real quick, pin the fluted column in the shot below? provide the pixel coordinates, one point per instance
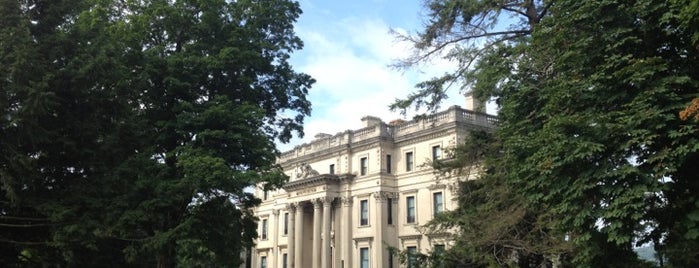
(274, 236)
(346, 231)
(316, 232)
(325, 251)
(378, 229)
(298, 256)
(290, 238)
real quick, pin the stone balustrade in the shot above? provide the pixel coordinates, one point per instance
(451, 115)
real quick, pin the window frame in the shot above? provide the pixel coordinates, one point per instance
(263, 232)
(408, 218)
(409, 161)
(363, 166)
(436, 210)
(389, 211)
(436, 152)
(263, 261)
(412, 256)
(364, 258)
(364, 212)
(388, 164)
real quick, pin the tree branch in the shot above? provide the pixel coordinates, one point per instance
(3, 240)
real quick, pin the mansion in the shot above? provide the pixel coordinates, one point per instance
(354, 194)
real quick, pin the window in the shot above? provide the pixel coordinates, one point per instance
(363, 166)
(264, 229)
(390, 258)
(438, 249)
(437, 203)
(388, 163)
(284, 260)
(332, 169)
(436, 152)
(263, 262)
(286, 223)
(265, 195)
(409, 161)
(389, 210)
(410, 205)
(412, 257)
(364, 257)
(364, 212)
(437, 255)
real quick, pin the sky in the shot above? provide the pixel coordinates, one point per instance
(348, 50)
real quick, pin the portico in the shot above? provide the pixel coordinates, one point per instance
(310, 211)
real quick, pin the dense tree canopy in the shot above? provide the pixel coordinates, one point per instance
(130, 129)
(597, 148)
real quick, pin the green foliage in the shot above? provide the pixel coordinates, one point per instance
(130, 129)
(591, 144)
(467, 32)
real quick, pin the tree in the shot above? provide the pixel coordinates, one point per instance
(590, 130)
(131, 128)
(469, 33)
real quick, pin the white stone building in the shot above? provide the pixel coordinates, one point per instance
(354, 194)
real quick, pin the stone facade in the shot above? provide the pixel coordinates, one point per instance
(352, 195)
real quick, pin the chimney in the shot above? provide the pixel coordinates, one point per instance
(473, 104)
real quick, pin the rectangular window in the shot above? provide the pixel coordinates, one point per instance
(263, 262)
(265, 195)
(389, 210)
(388, 163)
(364, 212)
(412, 257)
(286, 223)
(364, 257)
(437, 203)
(363, 166)
(409, 161)
(332, 169)
(390, 258)
(264, 229)
(438, 249)
(410, 205)
(436, 152)
(437, 255)
(284, 260)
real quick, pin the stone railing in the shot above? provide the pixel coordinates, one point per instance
(451, 115)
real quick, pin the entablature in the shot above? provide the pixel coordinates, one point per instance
(322, 179)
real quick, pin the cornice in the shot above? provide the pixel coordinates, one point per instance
(323, 179)
(407, 132)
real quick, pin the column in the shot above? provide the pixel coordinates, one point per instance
(325, 252)
(346, 233)
(290, 238)
(378, 229)
(316, 232)
(275, 238)
(298, 257)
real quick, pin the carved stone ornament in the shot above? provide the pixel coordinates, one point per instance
(291, 207)
(347, 201)
(317, 202)
(383, 196)
(306, 171)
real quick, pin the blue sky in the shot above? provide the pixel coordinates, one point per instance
(347, 50)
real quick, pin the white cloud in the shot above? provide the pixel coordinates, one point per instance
(349, 58)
